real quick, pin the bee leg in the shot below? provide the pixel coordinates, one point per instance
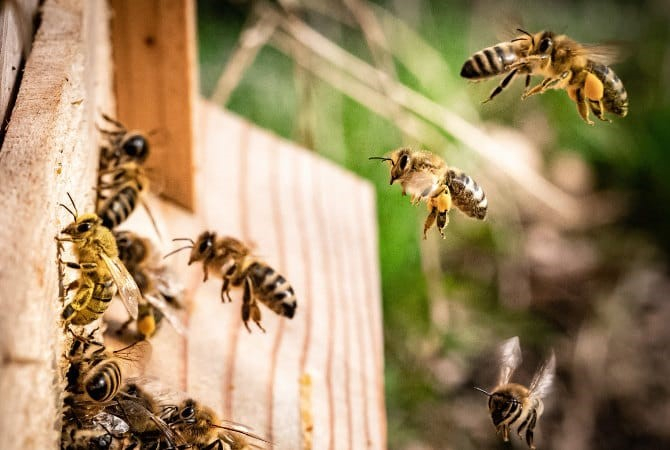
(597, 108)
(442, 221)
(503, 84)
(430, 220)
(531, 428)
(204, 267)
(225, 289)
(582, 106)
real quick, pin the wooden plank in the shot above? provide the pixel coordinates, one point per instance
(16, 34)
(49, 150)
(316, 224)
(155, 81)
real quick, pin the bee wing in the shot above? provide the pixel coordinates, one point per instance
(510, 358)
(168, 313)
(544, 378)
(111, 423)
(137, 351)
(128, 290)
(421, 183)
(601, 53)
(239, 428)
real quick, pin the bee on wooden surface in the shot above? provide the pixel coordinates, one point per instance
(580, 69)
(145, 417)
(122, 146)
(101, 272)
(95, 373)
(201, 428)
(232, 260)
(105, 432)
(160, 291)
(426, 177)
(512, 404)
(122, 178)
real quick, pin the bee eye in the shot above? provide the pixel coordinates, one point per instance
(404, 159)
(187, 412)
(204, 245)
(545, 44)
(136, 147)
(84, 227)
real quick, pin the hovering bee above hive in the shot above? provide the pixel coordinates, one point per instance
(580, 69)
(426, 177)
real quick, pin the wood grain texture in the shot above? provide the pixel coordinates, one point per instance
(50, 149)
(155, 79)
(314, 223)
(16, 34)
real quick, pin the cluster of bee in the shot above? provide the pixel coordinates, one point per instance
(103, 408)
(583, 72)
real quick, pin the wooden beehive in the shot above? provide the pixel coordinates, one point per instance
(311, 220)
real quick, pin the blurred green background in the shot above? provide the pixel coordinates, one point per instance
(592, 284)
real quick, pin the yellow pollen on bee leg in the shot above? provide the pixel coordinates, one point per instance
(444, 202)
(593, 87)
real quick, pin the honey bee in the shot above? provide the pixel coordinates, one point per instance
(579, 69)
(106, 432)
(159, 290)
(122, 177)
(512, 404)
(201, 428)
(95, 374)
(102, 273)
(232, 260)
(426, 177)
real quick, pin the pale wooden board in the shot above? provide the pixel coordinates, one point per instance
(155, 79)
(316, 224)
(50, 149)
(16, 33)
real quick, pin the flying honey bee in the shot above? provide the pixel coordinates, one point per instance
(159, 290)
(201, 428)
(232, 260)
(426, 177)
(102, 273)
(122, 178)
(581, 70)
(512, 404)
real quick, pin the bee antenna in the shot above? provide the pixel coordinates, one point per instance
(184, 239)
(532, 39)
(75, 213)
(177, 250)
(383, 158)
(482, 390)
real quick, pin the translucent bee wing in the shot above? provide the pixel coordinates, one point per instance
(601, 53)
(234, 427)
(128, 290)
(111, 423)
(544, 377)
(421, 184)
(510, 358)
(168, 313)
(137, 352)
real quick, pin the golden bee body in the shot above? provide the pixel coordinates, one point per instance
(232, 260)
(515, 405)
(102, 274)
(581, 70)
(426, 177)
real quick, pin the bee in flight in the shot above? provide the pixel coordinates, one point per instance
(102, 273)
(160, 292)
(200, 427)
(512, 404)
(232, 260)
(581, 70)
(122, 178)
(426, 177)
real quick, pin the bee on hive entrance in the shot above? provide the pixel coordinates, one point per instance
(101, 272)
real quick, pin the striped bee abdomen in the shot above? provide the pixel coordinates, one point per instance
(272, 289)
(103, 381)
(615, 97)
(466, 194)
(116, 209)
(490, 61)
